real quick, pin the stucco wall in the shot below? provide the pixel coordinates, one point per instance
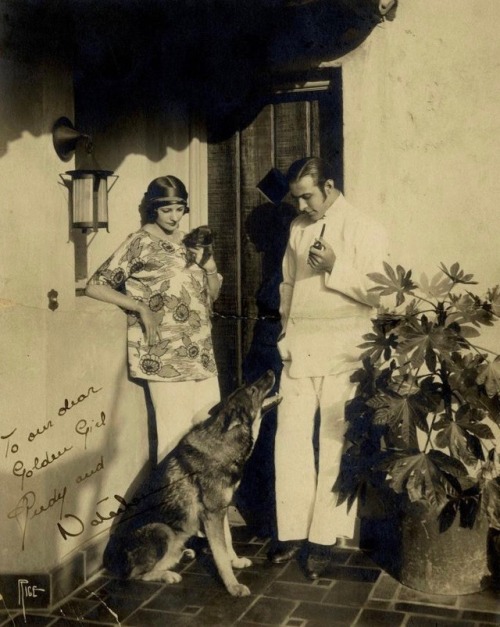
(74, 429)
(421, 101)
(422, 133)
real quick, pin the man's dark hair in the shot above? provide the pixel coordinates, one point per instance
(319, 170)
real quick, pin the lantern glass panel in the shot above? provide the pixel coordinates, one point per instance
(83, 201)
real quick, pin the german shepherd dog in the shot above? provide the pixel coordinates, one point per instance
(193, 484)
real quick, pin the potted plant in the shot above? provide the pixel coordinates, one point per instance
(421, 427)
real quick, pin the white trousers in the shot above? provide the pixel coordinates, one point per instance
(305, 505)
(178, 406)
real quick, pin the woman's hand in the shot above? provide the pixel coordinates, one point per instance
(151, 325)
(203, 256)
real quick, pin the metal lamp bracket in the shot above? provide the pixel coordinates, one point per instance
(65, 138)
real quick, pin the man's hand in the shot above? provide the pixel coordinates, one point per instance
(321, 259)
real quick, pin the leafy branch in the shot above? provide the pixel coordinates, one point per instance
(425, 391)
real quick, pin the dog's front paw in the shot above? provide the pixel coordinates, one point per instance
(170, 577)
(238, 590)
(241, 562)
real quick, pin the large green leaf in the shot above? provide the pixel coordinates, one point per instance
(401, 413)
(491, 502)
(462, 444)
(467, 502)
(457, 275)
(438, 287)
(493, 295)
(489, 376)
(378, 345)
(418, 339)
(424, 476)
(468, 308)
(393, 282)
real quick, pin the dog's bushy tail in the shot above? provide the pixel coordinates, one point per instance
(116, 558)
(135, 553)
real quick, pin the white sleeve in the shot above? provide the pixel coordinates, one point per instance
(286, 286)
(365, 251)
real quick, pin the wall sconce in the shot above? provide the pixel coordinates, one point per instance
(89, 184)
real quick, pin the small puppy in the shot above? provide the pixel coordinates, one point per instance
(200, 237)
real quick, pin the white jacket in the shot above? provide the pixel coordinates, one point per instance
(324, 315)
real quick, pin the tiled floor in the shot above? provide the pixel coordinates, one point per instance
(353, 593)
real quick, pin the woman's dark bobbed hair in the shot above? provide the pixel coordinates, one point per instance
(165, 190)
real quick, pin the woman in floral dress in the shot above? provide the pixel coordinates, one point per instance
(167, 291)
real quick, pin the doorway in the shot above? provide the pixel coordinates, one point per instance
(296, 122)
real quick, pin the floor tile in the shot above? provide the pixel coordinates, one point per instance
(348, 593)
(177, 598)
(342, 556)
(76, 608)
(352, 573)
(113, 607)
(147, 618)
(224, 610)
(292, 572)
(353, 593)
(358, 558)
(66, 622)
(409, 594)
(488, 601)
(329, 614)
(377, 604)
(295, 591)
(268, 611)
(376, 618)
(31, 619)
(427, 621)
(130, 588)
(485, 617)
(431, 610)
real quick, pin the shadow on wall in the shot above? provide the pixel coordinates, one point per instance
(216, 60)
(268, 227)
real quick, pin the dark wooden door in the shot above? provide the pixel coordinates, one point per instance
(294, 124)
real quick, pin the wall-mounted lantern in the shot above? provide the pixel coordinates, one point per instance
(89, 184)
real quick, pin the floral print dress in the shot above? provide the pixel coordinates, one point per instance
(158, 273)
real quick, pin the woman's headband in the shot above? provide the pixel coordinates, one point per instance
(169, 200)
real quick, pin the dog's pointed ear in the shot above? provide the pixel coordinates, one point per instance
(215, 409)
(232, 419)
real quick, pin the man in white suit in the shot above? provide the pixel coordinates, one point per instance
(325, 309)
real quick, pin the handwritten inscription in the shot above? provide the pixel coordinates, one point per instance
(67, 405)
(26, 590)
(87, 475)
(25, 509)
(19, 469)
(74, 525)
(40, 430)
(30, 506)
(12, 447)
(84, 427)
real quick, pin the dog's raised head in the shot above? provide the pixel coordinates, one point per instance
(249, 403)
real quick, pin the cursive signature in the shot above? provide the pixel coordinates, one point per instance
(26, 509)
(75, 525)
(25, 590)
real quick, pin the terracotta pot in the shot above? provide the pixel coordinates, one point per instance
(453, 562)
(409, 546)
